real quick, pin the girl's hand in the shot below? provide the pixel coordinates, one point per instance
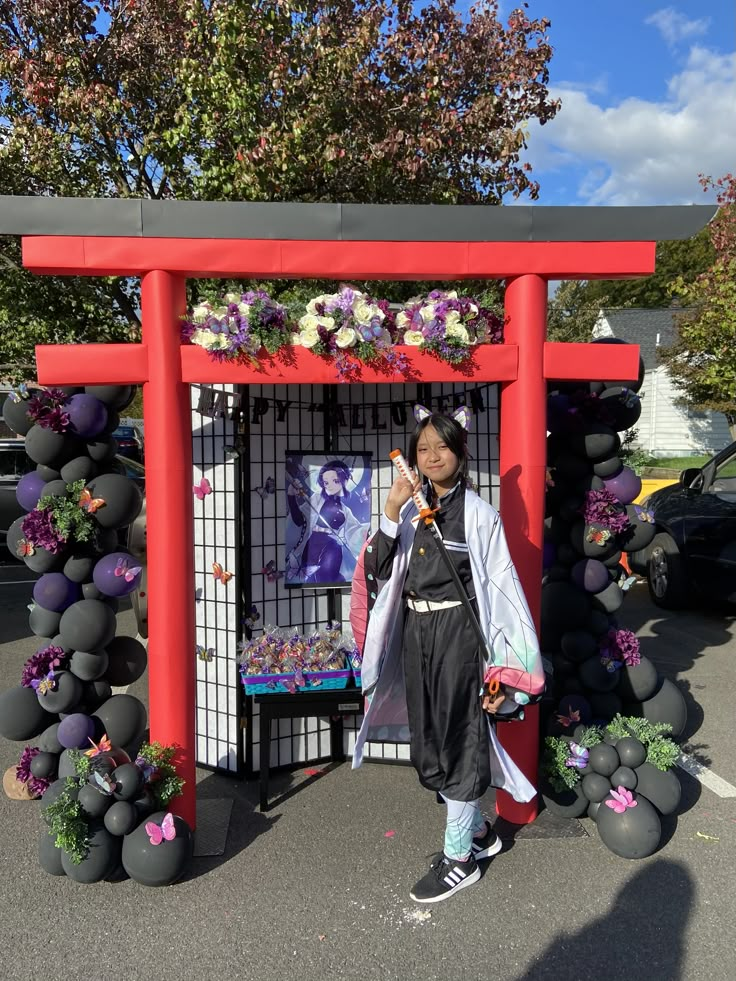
(400, 492)
(492, 703)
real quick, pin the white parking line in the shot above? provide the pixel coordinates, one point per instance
(18, 582)
(708, 779)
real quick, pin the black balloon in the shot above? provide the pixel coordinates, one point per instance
(639, 533)
(87, 625)
(47, 447)
(161, 864)
(21, 716)
(55, 488)
(48, 741)
(43, 623)
(123, 500)
(94, 803)
(637, 681)
(594, 442)
(124, 719)
(89, 665)
(596, 787)
(127, 661)
(661, 787)
(102, 449)
(624, 777)
(102, 857)
(47, 473)
(578, 645)
(590, 542)
(129, 780)
(121, 818)
(632, 752)
(622, 404)
(65, 695)
(594, 675)
(49, 856)
(665, 705)
(43, 561)
(610, 599)
(78, 567)
(608, 468)
(635, 833)
(115, 397)
(566, 803)
(605, 704)
(44, 765)
(16, 415)
(79, 468)
(604, 759)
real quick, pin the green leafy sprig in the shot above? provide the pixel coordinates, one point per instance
(68, 824)
(167, 784)
(556, 751)
(71, 521)
(661, 751)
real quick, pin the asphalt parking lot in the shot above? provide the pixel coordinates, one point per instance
(318, 887)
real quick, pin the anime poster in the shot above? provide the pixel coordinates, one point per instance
(328, 513)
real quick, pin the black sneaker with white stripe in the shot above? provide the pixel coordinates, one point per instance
(487, 846)
(446, 876)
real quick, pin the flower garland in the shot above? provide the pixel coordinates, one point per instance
(349, 326)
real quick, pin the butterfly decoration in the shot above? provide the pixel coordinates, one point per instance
(158, 832)
(253, 616)
(627, 583)
(567, 720)
(19, 394)
(25, 548)
(198, 594)
(598, 536)
(233, 451)
(611, 664)
(270, 571)
(289, 685)
(628, 398)
(269, 487)
(644, 515)
(124, 569)
(548, 478)
(205, 653)
(622, 798)
(202, 489)
(220, 574)
(88, 503)
(147, 769)
(103, 746)
(104, 783)
(44, 685)
(578, 758)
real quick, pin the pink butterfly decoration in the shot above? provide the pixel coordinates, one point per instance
(129, 572)
(157, 832)
(567, 720)
(622, 798)
(202, 489)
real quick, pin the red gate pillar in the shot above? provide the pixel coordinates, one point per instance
(169, 530)
(522, 439)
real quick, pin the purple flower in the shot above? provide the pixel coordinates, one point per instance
(38, 528)
(603, 508)
(45, 409)
(37, 786)
(620, 646)
(40, 664)
(45, 684)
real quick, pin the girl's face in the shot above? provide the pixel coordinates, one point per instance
(331, 483)
(436, 460)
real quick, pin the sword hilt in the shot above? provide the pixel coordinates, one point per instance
(399, 461)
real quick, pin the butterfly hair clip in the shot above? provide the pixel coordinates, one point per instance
(598, 536)
(124, 570)
(205, 653)
(88, 503)
(270, 571)
(269, 487)
(166, 831)
(220, 574)
(202, 489)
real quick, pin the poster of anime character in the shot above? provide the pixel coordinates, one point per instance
(328, 512)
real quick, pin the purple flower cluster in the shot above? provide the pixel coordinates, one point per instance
(23, 774)
(46, 408)
(41, 663)
(603, 508)
(39, 529)
(620, 647)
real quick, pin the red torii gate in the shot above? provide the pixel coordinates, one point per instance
(165, 368)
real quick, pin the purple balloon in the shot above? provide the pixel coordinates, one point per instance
(29, 490)
(75, 731)
(626, 485)
(590, 575)
(53, 591)
(117, 574)
(87, 415)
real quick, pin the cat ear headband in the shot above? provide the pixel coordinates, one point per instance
(461, 415)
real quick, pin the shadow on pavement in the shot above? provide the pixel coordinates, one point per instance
(630, 941)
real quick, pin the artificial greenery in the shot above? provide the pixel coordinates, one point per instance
(81, 762)
(165, 785)
(71, 521)
(661, 751)
(68, 824)
(556, 752)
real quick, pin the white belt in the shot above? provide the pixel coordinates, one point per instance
(428, 606)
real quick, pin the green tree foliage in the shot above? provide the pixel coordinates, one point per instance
(703, 359)
(572, 312)
(352, 100)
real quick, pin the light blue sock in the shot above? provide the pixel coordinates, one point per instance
(464, 819)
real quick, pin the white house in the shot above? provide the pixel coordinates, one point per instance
(665, 428)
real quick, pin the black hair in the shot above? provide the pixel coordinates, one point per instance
(451, 432)
(342, 471)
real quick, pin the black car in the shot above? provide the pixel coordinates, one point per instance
(130, 442)
(694, 550)
(13, 464)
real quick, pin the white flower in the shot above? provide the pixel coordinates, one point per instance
(318, 300)
(402, 320)
(221, 342)
(458, 332)
(327, 322)
(243, 309)
(415, 338)
(364, 312)
(309, 321)
(473, 311)
(220, 313)
(201, 312)
(452, 319)
(346, 337)
(427, 313)
(201, 338)
(232, 298)
(451, 295)
(308, 337)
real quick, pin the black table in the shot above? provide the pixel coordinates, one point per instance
(332, 702)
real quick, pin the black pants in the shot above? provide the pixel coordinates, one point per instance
(449, 734)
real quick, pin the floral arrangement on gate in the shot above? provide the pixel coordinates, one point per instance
(349, 326)
(58, 519)
(284, 651)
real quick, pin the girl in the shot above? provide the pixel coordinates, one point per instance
(422, 664)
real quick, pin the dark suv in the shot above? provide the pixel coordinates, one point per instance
(694, 550)
(13, 464)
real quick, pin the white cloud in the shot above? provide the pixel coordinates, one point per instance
(641, 152)
(675, 27)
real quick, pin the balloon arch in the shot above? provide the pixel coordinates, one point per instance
(164, 243)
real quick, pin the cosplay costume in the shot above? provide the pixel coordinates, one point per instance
(422, 667)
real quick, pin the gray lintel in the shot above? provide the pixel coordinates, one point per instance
(114, 217)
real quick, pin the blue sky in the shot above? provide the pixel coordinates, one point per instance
(648, 101)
